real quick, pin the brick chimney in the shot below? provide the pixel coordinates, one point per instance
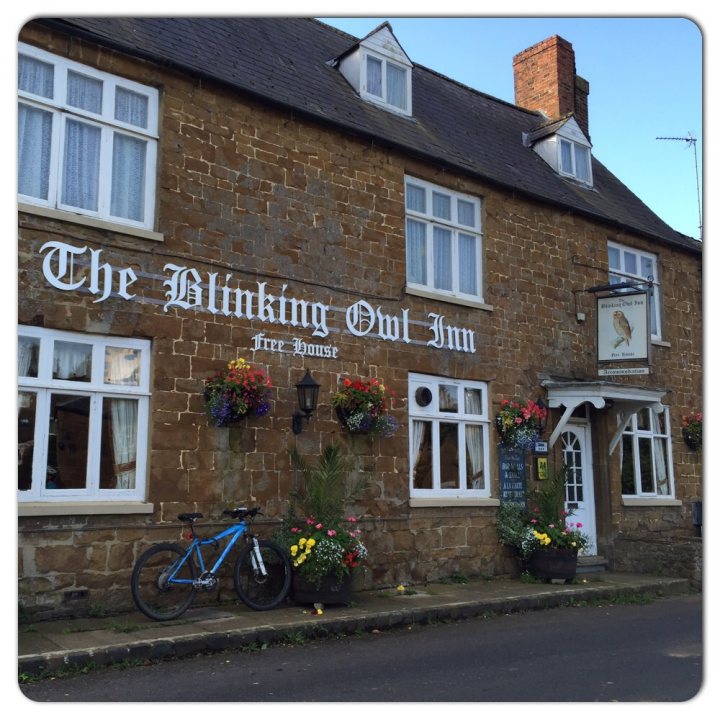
(545, 81)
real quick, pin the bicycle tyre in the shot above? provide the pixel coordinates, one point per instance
(155, 598)
(255, 591)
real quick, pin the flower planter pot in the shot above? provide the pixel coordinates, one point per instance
(691, 440)
(332, 591)
(552, 563)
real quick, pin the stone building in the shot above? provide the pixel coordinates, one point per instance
(193, 191)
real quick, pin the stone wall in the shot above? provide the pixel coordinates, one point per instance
(267, 197)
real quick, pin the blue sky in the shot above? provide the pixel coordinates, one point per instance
(645, 78)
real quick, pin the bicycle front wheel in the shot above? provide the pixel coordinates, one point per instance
(257, 589)
(153, 591)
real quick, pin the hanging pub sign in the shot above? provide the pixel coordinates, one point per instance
(623, 332)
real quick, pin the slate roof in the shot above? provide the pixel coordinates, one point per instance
(285, 61)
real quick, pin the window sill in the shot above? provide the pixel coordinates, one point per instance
(116, 507)
(78, 219)
(454, 502)
(661, 343)
(430, 295)
(651, 502)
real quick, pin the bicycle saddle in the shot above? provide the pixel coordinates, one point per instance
(189, 517)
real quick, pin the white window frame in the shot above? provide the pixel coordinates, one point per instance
(574, 171)
(653, 435)
(383, 98)
(43, 386)
(60, 112)
(453, 226)
(619, 274)
(431, 413)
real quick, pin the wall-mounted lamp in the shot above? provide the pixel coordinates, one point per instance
(307, 391)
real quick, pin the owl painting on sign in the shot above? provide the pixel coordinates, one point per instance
(622, 328)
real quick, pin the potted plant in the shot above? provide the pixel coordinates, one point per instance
(319, 534)
(692, 425)
(540, 533)
(362, 407)
(243, 389)
(519, 425)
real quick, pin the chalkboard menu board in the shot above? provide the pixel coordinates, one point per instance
(512, 475)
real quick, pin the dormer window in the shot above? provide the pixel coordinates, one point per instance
(386, 82)
(563, 146)
(575, 160)
(379, 71)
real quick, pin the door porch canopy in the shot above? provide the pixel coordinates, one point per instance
(625, 399)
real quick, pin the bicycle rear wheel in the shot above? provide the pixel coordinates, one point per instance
(257, 590)
(151, 591)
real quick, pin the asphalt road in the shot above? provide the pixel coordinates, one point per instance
(649, 652)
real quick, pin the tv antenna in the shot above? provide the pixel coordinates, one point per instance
(691, 141)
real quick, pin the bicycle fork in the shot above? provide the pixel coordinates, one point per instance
(256, 558)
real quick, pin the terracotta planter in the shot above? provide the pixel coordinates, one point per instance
(552, 563)
(332, 591)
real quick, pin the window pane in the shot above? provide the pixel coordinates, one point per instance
(35, 76)
(131, 107)
(643, 419)
(582, 163)
(647, 268)
(661, 467)
(422, 455)
(415, 198)
(473, 401)
(467, 249)
(26, 438)
(84, 92)
(396, 86)
(81, 165)
(416, 252)
(475, 460)
(614, 258)
(118, 454)
(374, 77)
(442, 258)
(122, 366)
(448, 398)
(630, 263)
(28, 354)
(566, 157)
(128, 177)
(466, 213)
(449, 467)
(647, 484)
(72, 361)
(627, 466)
(68, 442)
(441, 205)
(34, 144)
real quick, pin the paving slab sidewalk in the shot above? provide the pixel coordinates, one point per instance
(50, 646)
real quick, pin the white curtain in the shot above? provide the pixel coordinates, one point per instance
(416, 252)
(84, 92)
(418, 438)
(122, 366)
(34, 141)
(396, 86)
(81, 165)
(128, 177)
(27, 348)
(467, 250)
(566, 156)
(442, 258)
(474, 443)
(131, 107)
(72, 361)
(374, 77)
(661, 476)
(124, 414)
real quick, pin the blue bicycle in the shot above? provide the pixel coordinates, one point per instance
(167, 576)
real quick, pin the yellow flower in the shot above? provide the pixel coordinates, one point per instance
(293, 550)
(400, 588)
(311, 542)
(302, 541)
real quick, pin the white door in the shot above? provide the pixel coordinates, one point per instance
(579, 489)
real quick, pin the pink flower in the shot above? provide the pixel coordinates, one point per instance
(551, 525)
(310, 521)
(319, 526)
(533, 521)
(331, 533)
(578, 525)
(352, 518)
(295, 530)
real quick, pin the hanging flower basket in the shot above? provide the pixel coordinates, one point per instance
(361, 407)
(242, 390)
(692, 430)
(519, 426)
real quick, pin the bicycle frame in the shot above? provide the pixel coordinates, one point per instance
(235, 532)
